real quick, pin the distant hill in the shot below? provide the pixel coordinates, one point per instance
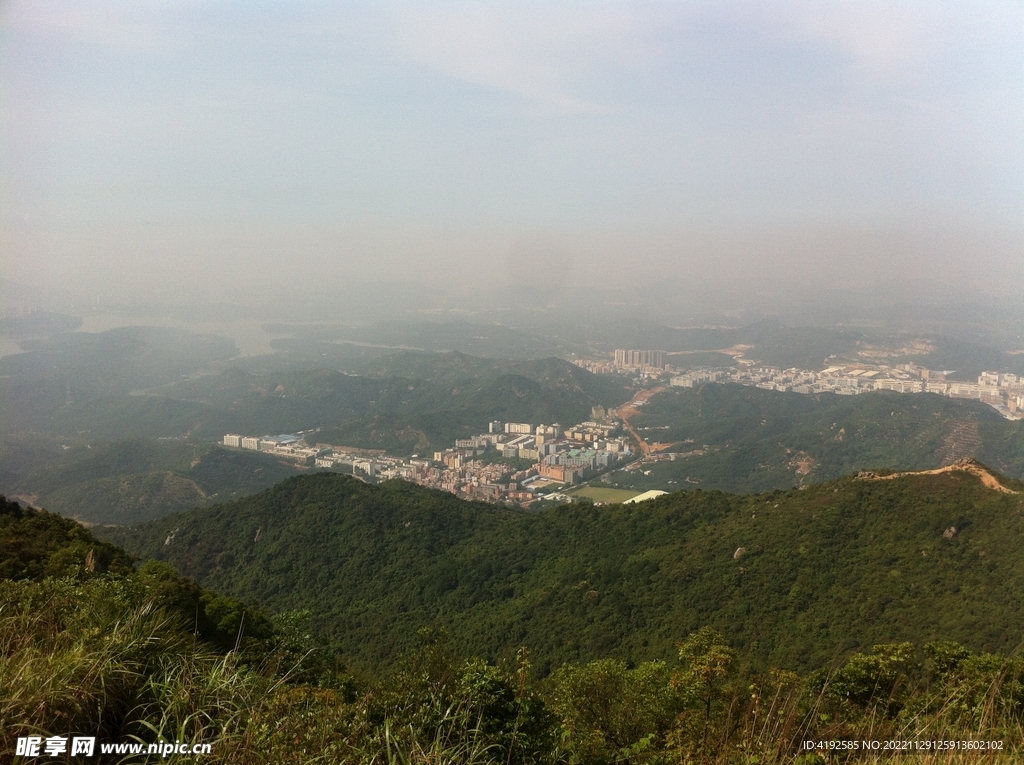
(137, 480)
(759, 440)
(118, 359)
(405, 402)
(80, 381)
(774, 343)
(482, 339)
(792, 578)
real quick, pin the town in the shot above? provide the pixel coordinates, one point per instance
(514, 462)
(1003, 391)
(521, 463)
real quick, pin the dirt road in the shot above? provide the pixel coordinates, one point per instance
(966, 465)
(631, 409)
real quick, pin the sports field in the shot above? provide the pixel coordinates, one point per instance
(599, 494)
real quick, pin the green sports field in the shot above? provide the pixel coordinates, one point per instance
(599, 494)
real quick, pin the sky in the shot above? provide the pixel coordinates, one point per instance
(223, 148)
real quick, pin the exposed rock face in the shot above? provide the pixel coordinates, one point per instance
(951, 532)
(740, 552)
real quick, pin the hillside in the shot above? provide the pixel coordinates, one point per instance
(793, 579)
(136, 480)
(744, 439)
(80, 381)
(774, 343)
(404, 402)
(407, 402)
(478, 338)
(91, 645)
(78, 442)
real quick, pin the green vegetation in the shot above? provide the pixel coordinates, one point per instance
(411, 402)
(116, 361)
(104, 456)
(603, 494)
(820, 572)
(139, 479)
(34, 545)
(79, 383)
(697, 627)
(91, 646)
(758, 440)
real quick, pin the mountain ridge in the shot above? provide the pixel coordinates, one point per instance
(966, 464)
(793, 578)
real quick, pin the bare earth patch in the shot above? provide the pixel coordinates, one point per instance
(805, 463)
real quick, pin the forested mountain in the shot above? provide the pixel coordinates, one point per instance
(744, 439)
(407, 402)
(137, 480)
(88, 644)
(403, 402)
(792, 578)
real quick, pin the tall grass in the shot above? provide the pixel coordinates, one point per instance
(97, 657)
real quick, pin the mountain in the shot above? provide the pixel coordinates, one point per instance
(793, 579)
(81, 384)
(406, 402)
(479, 338)
(745, 439)
(139, 479)
(91, 645)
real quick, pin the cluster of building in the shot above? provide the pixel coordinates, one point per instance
(290, 446)
(302, 449)
(477, 467)
(546, 455)
(627, 360)
(1003, 391)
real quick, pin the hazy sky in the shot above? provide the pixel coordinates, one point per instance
(229, 144)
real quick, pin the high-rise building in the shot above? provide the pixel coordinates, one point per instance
(628, 358)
